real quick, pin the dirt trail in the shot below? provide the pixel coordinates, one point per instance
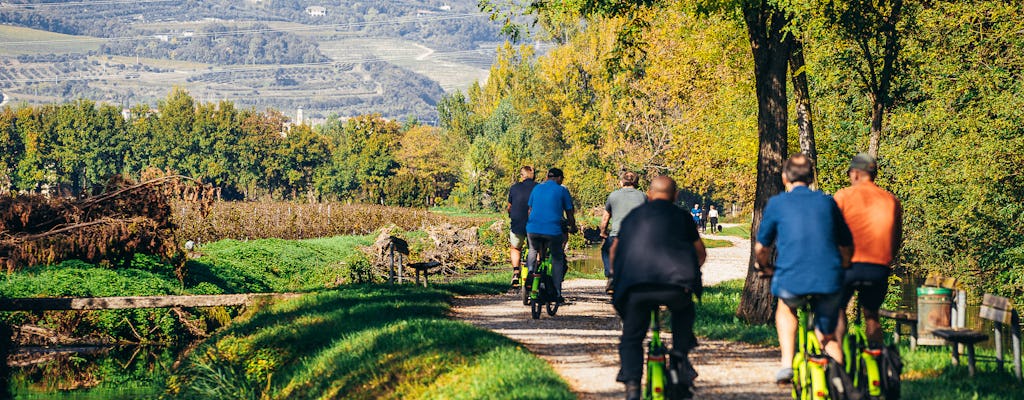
(581, 342)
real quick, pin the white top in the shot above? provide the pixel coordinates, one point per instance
(713, 213)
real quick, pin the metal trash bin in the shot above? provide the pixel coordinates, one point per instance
(933, 312)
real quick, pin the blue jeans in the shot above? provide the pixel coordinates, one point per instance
(605, 255)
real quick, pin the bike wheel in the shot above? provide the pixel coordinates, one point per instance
(524, 291)
(656, 381)
(535, 309)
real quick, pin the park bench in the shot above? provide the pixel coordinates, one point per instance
(910, 318)
(423, 268)
(999, 310)
(902, 318)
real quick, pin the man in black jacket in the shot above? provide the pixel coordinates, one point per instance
(657, 259)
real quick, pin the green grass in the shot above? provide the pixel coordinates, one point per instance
(367, 341)
(927, 372)
(13, 42)
(273, 265)
(740, 231)
(457, 212)
(716, 243)
(716, 317)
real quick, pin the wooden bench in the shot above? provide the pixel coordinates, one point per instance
(423, 268)
(902, 318)
(999, 310)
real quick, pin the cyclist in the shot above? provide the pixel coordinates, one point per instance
(875, 217)
(656, 259)
(518, 211)
(813, 246)
(545, 228)
(619, 204)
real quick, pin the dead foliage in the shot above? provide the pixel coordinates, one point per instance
(109, 228)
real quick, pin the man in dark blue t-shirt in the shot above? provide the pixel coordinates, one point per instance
(813, 245)
(545, 228)
(657, 259)
(518, 212)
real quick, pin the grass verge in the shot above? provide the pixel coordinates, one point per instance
(927, 372)
(740, 231)
(363, 342)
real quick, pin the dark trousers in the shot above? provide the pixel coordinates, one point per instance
(540, 245)
(605, 258)
(636, 319)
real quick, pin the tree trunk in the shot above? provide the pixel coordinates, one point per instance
(771, 50)
(802, 96)
(877, 113)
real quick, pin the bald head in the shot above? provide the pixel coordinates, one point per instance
(662, 188)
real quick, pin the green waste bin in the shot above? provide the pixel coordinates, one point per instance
(933, 311)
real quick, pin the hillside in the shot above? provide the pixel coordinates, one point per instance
(343, 58)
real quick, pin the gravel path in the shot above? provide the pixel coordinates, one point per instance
(581, 342)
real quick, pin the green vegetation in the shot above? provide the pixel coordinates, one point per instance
(740, 231)
(386, 342)
(716, 317)
(145, 276)
(12, 40)
(275, 265)
(927, 372)
(714, 243)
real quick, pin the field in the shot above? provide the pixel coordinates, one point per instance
(15, 40)
(390, 76)
(452, 70)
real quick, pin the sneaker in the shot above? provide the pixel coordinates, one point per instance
(515, 280)
(561, 300)
(610, 286)
(784, 376)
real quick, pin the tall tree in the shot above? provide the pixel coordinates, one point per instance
(874, 28)
(802, 97)
(770, 44)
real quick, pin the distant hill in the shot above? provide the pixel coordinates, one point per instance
(328, 57)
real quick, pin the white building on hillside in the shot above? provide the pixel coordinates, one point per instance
(316, 11)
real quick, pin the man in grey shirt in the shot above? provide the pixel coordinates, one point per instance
(619, 204)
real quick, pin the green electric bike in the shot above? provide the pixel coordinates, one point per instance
(664, 371)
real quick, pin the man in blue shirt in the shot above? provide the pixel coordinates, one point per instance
(518, 211)
(813, 245)
(545, 228)
(695, 212)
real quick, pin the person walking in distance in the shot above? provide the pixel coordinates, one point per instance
(546, 228)
(713, 218)
(812, 243)
(657, 258)
(696, 213)
(618, 206)
(518, 212)
(875, 217)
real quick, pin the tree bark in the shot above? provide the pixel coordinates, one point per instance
(802, 96)
(771, 49)
(877, 113)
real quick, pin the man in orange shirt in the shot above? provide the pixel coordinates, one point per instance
(875, 218)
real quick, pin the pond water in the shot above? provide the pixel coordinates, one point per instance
(586, 260)
(130, 372)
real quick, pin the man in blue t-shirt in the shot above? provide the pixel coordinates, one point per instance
(518, 211)
(813, 245)
(696, 213)
(545, 228)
